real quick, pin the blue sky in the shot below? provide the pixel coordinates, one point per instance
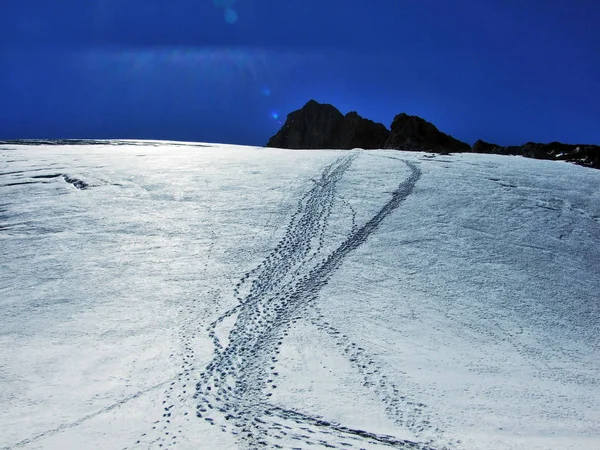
(505, 71)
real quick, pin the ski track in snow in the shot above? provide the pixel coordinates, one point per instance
(81, 420)
(234, 389)
(233, 396)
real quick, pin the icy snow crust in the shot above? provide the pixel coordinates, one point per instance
(158, 295)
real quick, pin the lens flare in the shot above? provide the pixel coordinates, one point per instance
(231, 16)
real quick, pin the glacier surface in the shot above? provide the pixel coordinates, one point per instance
(205, 296)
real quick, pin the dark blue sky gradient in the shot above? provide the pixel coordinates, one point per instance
(505, 71)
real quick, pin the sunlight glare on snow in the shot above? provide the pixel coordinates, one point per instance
(458, 314)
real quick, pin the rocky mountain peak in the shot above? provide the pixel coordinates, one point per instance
(322, 126)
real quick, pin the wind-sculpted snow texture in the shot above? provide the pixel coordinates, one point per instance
(235, 388)
(205, 296)
(237, 382)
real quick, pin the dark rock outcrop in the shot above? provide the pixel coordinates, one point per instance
(414, 133)
(317, 126)
(485, 147)
(313, 126)
(584, 155)
(357, 132)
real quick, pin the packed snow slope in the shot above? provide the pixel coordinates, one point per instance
(158, 295)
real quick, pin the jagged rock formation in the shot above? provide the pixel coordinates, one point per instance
(414, 133)
(314, 126)
(485, 147)
(585, 155)
(317, 125)
(357, 132)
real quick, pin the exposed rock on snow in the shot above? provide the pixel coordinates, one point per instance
(322, 126)
(414, 133)
(585, 155)
(357, 132)
(317, 126)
